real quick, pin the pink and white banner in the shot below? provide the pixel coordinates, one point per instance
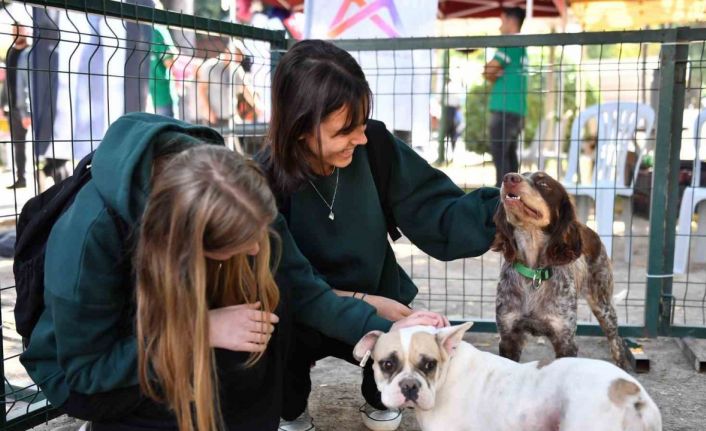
(400, 80)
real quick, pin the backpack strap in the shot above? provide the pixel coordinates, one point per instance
(40, 213)
(381, 149)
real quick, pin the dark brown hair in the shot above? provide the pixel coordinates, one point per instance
(516, 13)
(312, 80)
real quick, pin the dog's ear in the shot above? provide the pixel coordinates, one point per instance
(565, 237)
(504, 241)
(367, 343)
(450, 337)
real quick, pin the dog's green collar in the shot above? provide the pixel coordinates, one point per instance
(537, 275)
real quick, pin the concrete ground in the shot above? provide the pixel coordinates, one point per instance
(676, 387)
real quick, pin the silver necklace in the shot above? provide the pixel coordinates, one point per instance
(333, 199)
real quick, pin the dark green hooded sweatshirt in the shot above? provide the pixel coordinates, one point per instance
(84, 341)
(84, 347)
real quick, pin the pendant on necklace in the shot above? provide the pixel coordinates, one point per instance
(330, 215)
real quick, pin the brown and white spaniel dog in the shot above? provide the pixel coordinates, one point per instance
(550, 258)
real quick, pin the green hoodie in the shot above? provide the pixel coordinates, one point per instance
(84, 340)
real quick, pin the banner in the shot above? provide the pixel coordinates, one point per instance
(400, 80)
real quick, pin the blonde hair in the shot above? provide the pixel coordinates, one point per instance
(205, 199)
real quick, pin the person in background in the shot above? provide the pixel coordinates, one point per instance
(221, 85)
(163, 53)
(249, 102)
(16, 101)
(453, 117)
(508, 98)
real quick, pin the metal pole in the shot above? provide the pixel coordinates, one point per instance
(3, 416)
(643, 50)
(444, 101)
(530, 9)
(665, 191)
(277, 50)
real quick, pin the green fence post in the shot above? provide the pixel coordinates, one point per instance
(3, 417)
(665, 192)
(277, 50)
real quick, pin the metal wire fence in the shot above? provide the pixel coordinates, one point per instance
(71, 68)
(603, 114)
(615, 116)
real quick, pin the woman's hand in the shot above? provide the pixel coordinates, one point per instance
(241, 328)
(425, 318)
(388, 308)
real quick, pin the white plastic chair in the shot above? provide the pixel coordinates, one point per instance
(617, 126)
(546, 145)
(693, 196)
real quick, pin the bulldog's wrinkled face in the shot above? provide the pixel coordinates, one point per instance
(409, 364)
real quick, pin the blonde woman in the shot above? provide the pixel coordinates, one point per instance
(178, 325)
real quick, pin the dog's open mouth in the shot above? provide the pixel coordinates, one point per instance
(513, 199)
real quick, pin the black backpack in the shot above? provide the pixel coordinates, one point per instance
(36, 220)
(381, 148)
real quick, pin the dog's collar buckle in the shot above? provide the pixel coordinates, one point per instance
(537, 275)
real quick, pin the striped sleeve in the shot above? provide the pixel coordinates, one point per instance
(502, 57)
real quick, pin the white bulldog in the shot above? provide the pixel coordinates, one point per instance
(455, 387)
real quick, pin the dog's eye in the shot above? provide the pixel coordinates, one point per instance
(543, 185)
(387, 365)
(429, 366)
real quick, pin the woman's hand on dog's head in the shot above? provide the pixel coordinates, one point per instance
(424, 318)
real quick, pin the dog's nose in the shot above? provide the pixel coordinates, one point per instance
(512, 178)
(410, 389)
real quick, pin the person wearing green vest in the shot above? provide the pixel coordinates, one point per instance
(508, 98)
(162, 55)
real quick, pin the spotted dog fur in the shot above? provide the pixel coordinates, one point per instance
(537, 226)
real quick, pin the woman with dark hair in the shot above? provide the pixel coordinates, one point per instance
(338, 199)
